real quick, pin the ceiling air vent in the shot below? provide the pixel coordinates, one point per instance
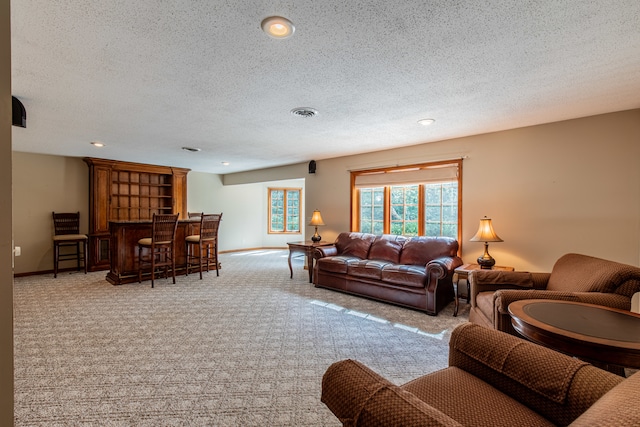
(304, 112)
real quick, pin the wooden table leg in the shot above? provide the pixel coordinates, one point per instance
(290, 268)
(310, 266)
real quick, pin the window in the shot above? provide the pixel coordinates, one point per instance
(417, 200)
(284, 210)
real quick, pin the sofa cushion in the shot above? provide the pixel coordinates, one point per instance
(336, 264)
(449, 391)
(354, 244)
(420, 250)
(407, 275)
(367, 268)
(387, 248)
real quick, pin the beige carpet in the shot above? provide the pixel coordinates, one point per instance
(247, 348)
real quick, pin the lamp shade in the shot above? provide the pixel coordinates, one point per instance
(485, 232)
(316, 219)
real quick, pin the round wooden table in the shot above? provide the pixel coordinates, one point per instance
(597, 334)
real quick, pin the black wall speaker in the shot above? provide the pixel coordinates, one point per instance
(312, 166)
(19, 113)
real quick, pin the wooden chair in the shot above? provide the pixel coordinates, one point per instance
(160, 246)
(206, 242)
(66, 229)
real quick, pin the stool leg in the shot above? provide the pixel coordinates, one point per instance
(56, 253)
(173, 261)
(84, 255)
(139, 264)
(200, 257)
(77, 256)
(186, 254)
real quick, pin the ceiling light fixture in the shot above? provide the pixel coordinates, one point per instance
(278, 27)
(192, 149)
(426, 122)
(97, 144)
(225, 163)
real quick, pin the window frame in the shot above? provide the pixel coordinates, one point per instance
(355, 195)
(285, 214)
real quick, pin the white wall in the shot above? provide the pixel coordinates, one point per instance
(244, 210)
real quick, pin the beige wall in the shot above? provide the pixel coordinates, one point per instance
(571, 186)
(45, 184)
(6, 272)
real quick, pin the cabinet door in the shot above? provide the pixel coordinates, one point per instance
(180, 193)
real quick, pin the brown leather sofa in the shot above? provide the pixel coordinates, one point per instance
(493, 379)
(413, 272)
(574, 277)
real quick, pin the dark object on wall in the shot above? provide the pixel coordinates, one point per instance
(19, 113)
(312, 166)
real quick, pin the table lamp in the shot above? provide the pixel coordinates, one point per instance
(316, 220)
(486, 234)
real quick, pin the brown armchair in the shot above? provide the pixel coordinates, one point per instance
(493, 379)
(574, 277)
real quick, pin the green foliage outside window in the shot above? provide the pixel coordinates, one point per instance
(440, 209)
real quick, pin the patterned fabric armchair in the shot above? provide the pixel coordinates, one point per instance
(493, 379)
(574, 277)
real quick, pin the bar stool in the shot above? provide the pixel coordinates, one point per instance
(206, 242)
(66, 229)
(161, 246)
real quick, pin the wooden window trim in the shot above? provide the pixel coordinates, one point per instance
(284, 189)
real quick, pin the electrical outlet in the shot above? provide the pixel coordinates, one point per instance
(17, 251)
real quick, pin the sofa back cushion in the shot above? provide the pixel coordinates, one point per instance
(420, 250)
(354, 244)
(387, 248)
(582, 273)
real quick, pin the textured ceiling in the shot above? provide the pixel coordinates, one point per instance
(148, 77)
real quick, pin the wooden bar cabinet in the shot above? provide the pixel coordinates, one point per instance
(125, 191)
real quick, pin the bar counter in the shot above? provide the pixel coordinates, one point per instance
(124, 248)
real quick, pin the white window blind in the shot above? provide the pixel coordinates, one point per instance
(440, 173)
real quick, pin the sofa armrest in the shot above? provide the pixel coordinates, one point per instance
(360, 397)
(325, 251)
(444, 266)
(555, 385)
(504, 297)
(494, 280)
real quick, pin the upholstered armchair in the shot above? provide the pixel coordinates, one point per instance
(574, 277)
(493, 379)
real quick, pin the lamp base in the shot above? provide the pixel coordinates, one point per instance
(316, 237)
(486, 261)
(486, 264)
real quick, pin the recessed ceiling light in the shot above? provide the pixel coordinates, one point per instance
(97, 144)
(426, 122)
(192, 149)
(278, 27)
(225, 163)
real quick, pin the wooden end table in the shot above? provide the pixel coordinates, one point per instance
(600, 335)
(462, 272)
(306, 247)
